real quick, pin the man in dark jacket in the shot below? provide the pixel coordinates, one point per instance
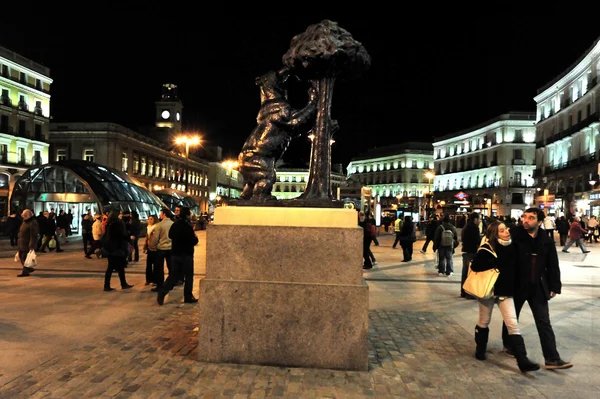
(430, 232)
(183, 240)
(470, 238)
(538, 281)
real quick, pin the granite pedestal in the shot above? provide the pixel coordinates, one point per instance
(284, 287)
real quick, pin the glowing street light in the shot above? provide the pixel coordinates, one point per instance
(189, 141)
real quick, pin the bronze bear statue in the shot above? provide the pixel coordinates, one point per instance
(277, 124)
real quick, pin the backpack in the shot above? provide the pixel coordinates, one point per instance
(447, 237)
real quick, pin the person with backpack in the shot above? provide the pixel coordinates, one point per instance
(446, 239)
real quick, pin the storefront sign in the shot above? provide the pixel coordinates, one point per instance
(595, 196)
(461, 196)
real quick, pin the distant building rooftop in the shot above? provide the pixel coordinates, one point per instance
(26, 62)
(513, 115)
(411, 147)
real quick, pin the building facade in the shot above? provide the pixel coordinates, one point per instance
(568, 140)
(24, 119)
(226, 183)
(291, 182)
(153, 164)
(488, 168)
(397, 175)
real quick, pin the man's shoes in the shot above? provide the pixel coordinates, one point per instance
(29, 269)
(160, 299)
(191, 300)
(60, 250)
(558, 364)
(126, 286)
(442, 274)
(586, 252)
(451, 274)
(108, 289)
(87, 256)
(565, 251)
(23, 274)
(374, 263)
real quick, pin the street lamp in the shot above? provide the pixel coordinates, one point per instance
(189, 141)
(230, 165)
(429, 176)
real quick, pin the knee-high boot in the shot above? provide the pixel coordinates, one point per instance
(481, 339)
(518, 346)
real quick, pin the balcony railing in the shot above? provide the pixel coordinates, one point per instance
(569, 131)
(517, 161)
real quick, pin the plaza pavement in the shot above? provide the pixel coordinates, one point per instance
(61, 336)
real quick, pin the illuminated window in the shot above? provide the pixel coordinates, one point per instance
(61, 154)
(88, 155)
(143, 171)
(124, 162)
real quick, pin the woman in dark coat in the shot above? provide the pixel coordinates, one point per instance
(498, 252)
(114, 247)
(406, 238)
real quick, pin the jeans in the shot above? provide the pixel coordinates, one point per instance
(541, 314)
(159, 266)
(507, 308)
(446, 263)
(579, 242)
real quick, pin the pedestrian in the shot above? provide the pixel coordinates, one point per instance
(13, 224)
(538, 281)
(407, 234)
(430, 232)
(471, 239)
(498, 252)
(27, 239)
(576, 233)
(183, 240)
(161, 241)
(364, 223)
(150, 250)
(445, 240)
(114, 247)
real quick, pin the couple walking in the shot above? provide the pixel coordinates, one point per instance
(529, 272)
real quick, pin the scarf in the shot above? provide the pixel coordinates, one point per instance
(505, 243)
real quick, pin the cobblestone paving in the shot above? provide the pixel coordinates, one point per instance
(420, 341)
(412, 354)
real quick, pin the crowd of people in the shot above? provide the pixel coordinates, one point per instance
(114, 236)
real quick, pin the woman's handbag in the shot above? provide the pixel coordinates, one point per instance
(481, 284)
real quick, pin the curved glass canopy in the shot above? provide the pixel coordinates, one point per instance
(173, 198)
(76, 181)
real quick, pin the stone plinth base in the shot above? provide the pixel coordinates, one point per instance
(284, 324)
(284, 287)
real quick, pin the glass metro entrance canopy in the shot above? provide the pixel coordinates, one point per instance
(76, 181)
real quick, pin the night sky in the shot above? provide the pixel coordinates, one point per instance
(430, 75)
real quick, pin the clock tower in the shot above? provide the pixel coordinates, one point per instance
(168, 109)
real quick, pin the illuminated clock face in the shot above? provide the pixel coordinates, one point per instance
(165, 114)
(177, 115)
